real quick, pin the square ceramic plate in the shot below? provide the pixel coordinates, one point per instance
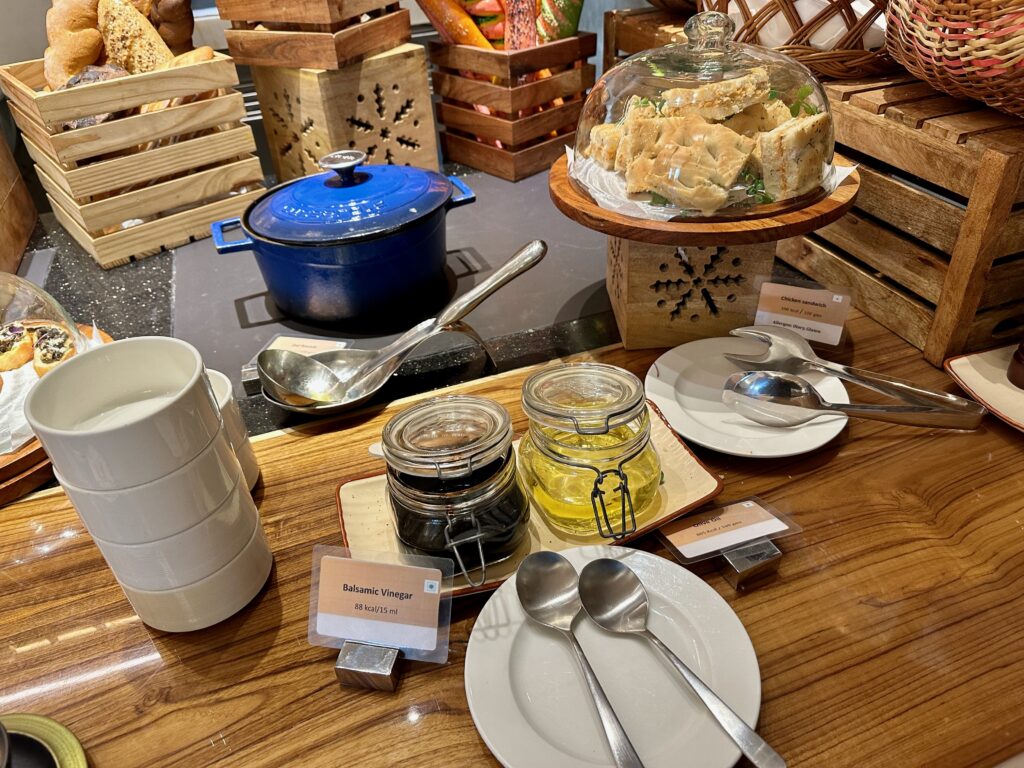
(983, 377)
(367, 524)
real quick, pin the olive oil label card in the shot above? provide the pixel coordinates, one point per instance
(384, 600)
(816, 314)
(707, 533)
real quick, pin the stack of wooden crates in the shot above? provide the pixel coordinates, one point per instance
(140, 163)
(335, 74)
(934, 249)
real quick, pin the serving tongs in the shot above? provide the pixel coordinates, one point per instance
(788, 352)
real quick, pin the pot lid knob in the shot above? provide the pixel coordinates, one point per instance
(344, 163)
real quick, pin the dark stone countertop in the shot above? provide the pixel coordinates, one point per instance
(219, 303)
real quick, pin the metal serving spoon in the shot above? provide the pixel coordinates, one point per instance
(789, 352)
(360, 373)
(783, 400)
(616, 600)
(296, 379)
(547, 587)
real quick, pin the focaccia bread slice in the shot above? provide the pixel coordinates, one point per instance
(689, 189)
(758, 118)
(52, 346)
(791, 158)
(604, 143)
(717, 101)
(636, 126)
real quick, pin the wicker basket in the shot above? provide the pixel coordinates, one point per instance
(778, 24)
(969, 48)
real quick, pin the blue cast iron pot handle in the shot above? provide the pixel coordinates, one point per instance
(218, 228)
(466, 197)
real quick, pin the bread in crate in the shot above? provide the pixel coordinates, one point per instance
(167, 155)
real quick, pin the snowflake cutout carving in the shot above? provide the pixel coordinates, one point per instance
(379, 130)
(709, 281)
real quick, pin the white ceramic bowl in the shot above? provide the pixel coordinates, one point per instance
(125, 413)
(211, 600)
(238, 434)
(191, 555)
(164, 507)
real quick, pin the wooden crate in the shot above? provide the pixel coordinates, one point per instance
(380, 105)
(318, 34)
(176, 169)
(935, 247)
(532, 98)
(637, 29)
(17, 212)
(663, 296)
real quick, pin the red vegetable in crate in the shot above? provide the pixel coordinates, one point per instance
(520, 24)
(493, 28)
(558, 19)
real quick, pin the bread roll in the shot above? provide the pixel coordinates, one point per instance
(74, 37)
(15, 346)
(174, 21)
(90, 331)
(197, 56)
(51, 347)
(130, 40)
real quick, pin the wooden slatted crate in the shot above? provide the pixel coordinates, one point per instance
(380, 105)
(629, 31)
(531, 98)
(934, 249)
(146, 180)
(318, 34)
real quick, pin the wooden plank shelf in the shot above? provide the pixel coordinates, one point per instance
(934, 249)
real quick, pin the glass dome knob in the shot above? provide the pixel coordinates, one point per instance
(709, 30)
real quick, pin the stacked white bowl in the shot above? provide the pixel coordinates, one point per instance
(138, 442)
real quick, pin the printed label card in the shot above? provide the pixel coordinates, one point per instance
(706, 534)
(815, 313)
(392, 600)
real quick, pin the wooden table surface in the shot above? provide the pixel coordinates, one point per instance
(891, 637)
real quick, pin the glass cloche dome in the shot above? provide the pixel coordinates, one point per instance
(706, 128)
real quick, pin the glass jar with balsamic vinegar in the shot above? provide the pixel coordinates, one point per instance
(452, 481)
(587, 459)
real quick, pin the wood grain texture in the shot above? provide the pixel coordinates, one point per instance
(17, 213)
(629, 31)
(296, 11)
(581, 208)
(889, 638)
(664, 295)
(380, 105)
(511, 166)
(897, 310)
(20, 81)
(509, 65)
(991, 201)
(167, 232)
(120, 172)
(511, 100)
(319, 50)
(510, 132)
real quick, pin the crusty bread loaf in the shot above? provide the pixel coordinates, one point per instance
(174, 21)
(74, 37)
(197, 56)
(130, 40)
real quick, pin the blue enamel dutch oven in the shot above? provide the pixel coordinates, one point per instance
(349, 241)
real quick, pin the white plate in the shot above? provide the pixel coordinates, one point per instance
(686, 385)
(530, 702)
(983, 376)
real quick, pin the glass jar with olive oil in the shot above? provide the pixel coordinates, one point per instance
(587, 460)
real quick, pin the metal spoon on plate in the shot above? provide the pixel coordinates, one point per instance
(360, 373)
(783, 400)
(547, 587)
(615, 598)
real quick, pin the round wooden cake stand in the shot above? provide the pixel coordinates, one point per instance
(674, 281)
(581, 208)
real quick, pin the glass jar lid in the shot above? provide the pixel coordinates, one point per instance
(586, 398)
(447, 436)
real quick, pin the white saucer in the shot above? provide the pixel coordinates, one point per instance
(685, 384)
(530, 702)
